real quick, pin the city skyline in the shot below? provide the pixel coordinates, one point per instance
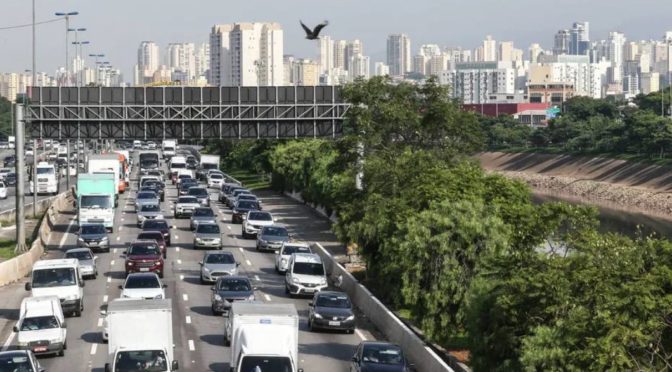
(425, 23)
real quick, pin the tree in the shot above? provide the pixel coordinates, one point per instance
(5, 117)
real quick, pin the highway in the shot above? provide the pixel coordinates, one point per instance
(198, 334)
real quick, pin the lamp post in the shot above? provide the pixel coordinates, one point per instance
(67, 16)
(79, 57)
(34, 68)
(76, 31)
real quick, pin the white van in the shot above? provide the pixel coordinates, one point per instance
(60, 278)
(177, 163)
(41, 326)
(305, 274)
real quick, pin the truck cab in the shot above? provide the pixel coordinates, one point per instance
(47, 179)
(95, 199)
(62, 278)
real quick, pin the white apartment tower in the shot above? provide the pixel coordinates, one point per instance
(148, 62)
(220, 56)
(490, 49)
(181, 57)
(326, 54)
(352, 49)
(339, 54)
(360, 67)
(616, 44)
(256, 54)
(399, 54)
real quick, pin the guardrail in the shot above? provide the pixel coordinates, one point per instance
(18, 267)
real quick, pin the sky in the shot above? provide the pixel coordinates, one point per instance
(116, 27)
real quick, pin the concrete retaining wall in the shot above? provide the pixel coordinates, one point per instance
(20, 266)
(42, 205)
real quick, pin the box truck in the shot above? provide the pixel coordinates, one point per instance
(207, 162)
(108, 164)
(95, 199)
(169, 147)
(47, 179)
(140, 336)
(263, 335)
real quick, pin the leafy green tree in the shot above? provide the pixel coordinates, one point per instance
(5, 117)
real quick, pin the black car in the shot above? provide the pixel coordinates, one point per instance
(158, 225)
(379, 356)
(331, 310)
(10, 161)
(94, 236)
(156, 186)
(186, 184)
(192, 163)
(10, 179)
(229, 289)
(241, 208)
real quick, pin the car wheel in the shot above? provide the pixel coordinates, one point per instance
(65, 345)
(95, 275)
(227, 343)
(310, 326)
(202, 280)
(165, 256)
(61, 352)
(244, 234)
(287, 290)
(215, 312)
(257, 247)
(161, 274)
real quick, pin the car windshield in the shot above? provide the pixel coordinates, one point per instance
(290, 249)
(49, 170)
(187, 199)
(39, 322)
(204, 212)
(207, 228)
(154, 224)
(260, 216)
(154, 235)
(219, 259)
(336, 301)
(308, 268)
(184, 177)
(143, 249)
(80, 255)
(152, 184)
(178, 165)
(246, 204)
(149, 164)
(265, 364)
(143, 281)
(54, 277)
(237, 192)
(247, 197)
(146, 195)
(15, 363)
(93, 229)
(150, 208)
(234, 285)
(145, 361)
(216, 176)
(275, 231)
(382, 354)
(198, 191)
(96, 201)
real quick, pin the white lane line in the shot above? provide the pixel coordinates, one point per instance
(118, 239)
(188, 319)
(248, 262)
(176, 237)
(112, 263)
(122, 218)
(360, 334)
(228, 227)
(94, 348)
(181, 277)
(191, 345)
(65, 235)
(105, 298)
(121, 228)
(177, 249)
(185, 297)
(109, 279)
(241, 249)
(100, 322)
(267, 297)
(115, 251)
(256, 277)
(179, 262)
(5, 346)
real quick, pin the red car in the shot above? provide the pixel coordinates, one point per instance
(158, 237)
(144, 256)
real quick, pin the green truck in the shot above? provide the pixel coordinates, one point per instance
(95, 199)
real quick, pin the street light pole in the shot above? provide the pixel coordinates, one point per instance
(20, 181)
(34, 68)
(66, 15)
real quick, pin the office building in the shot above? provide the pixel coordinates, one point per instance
(352, 49)
(561, 42)
(579, 39)
(399, 54)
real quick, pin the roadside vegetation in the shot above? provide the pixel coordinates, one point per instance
(459, 250)
(7, 249)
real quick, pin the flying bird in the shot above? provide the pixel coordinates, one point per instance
(314, 34)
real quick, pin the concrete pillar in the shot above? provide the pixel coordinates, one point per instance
(67, 165)
(20, 181)
(34, 177)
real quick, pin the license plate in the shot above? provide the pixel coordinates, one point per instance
(309, 290)
(40, 349)
(93, 244)
(144, 269)
(335, 324)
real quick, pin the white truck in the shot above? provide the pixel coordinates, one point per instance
(107, 164)
(169, 147)
(47, 179)
(263, 337)
(208, 162)
(140, 336)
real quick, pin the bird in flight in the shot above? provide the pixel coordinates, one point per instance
(314, 34)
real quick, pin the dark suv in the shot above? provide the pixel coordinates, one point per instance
(158, 225)
(144, 256)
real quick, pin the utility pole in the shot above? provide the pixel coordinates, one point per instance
(67, 165)
(34, 177)
(34, 68)
(20, 182)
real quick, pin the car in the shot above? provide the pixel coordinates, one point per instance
(149, 212)
(158, 225)
(182, 177)
(151, 145)
(4, 172)
(156, 236)
(202, 215)
(201, 193)
(41, 319)
(226, 190)
(93, 236)
(147, 178)
(241, 208)
(272, 238)
(9, 161)
(215, 180)
(10, 179)
(146, 197)
(192, 163)
(143, 286)
(87, 261)
(154, 185)
(285, 253)
(379, 356)
(331, 310)
(185, 185)
(144, 256)
(231, 198)
(207, 235)
(254, 221)
(185, 206)
(216, 264)
(305, 275)
(29, 151)
(229, 289)
(3, 190)
(20, 361)
(248, 197)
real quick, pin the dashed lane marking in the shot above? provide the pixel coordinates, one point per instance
(115, 250)
(112, 263)
(191, 345)
(256, 277)
(241, 249)
(185, 297)
(100, 322)
(360, 334)
(118, 239)
(5, 346)
(181, 277)
(176, 237)
(248, 262)
(228, 227)
(179, 262)
(105, 298)
(109, 279)
(188, 319)
(177, 249)
(94, 348)
(267, 297)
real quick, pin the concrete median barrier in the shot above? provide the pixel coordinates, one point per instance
(18, 267)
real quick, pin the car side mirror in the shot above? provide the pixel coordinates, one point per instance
(355, 359)
(213, 288)
(95, 258)
(255, 288)
(107, 367)
(103, 312)
(200, 263)
(277, 252)
(28, 287)
(174, 366)
(15, 329)
(64, 324)
(121, 287)
(237, 264)
(82, 283)
(42, 369)
(300, 370)
(411, 365)
(165, 286)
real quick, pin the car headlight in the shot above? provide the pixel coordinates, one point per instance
(157, 263)
(54, 340)
(295, 280)
(351, 317)
(323, 280)
(141, 217)
(217, 240)
(129, 263)
(80, 240)
(158, 297)
(262, 241)
(206, 269)
(318, 316)
(22, 344)
(105, 238)
(159, 216)
(218, 297)
(283, 261)
(251, 298)
(199, 240)
(71, 297)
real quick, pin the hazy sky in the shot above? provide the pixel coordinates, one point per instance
(116, 27)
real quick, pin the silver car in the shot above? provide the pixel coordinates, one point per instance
(149, 212)
(185, 206)
(283, 255)
(216, 264)
(146, 197)
(202, 215)
(87, 261)
(208, 235)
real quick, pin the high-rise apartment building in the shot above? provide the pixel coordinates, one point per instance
(202, 60)
(399, 54)
(306, 72)
(579, 39)
(326, 54)
(476, 82)
(360, 67)
(220, 55)
(489, 49)
(182, 57)
(561, 42)
(339, 53)
(616, 44)
(381, 69)
(506, 51)
(352, 49)
(571, 70)
(148, 62)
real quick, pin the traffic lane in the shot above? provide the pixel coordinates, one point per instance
(10, 202)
